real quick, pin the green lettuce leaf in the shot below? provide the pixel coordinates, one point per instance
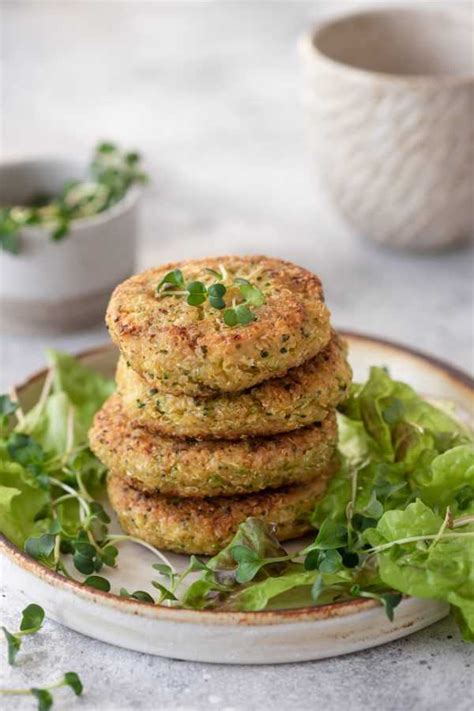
(255, 538)
(293, 586)
(391, 441)
(400, 422)
(381, 483)
(258, 595)
(66, 415)
(355, 443)
(48, 424)
(449, 481)
(437, 569)
(86, 389)
(51, 441)
(288, 589)
(407, 470)
(23, 504)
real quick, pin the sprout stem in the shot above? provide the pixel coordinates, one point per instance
(119, 538)
(16, 692)
(84, 506)
(414, 539)
(447, 520)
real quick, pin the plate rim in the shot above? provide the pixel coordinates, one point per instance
(260, 617)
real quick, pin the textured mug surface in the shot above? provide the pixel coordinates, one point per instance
(390, 99)
(60, 286)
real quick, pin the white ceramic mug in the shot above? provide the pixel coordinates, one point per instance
(390, 96)
(65, 285)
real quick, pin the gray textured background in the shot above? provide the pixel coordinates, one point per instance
(211, 93)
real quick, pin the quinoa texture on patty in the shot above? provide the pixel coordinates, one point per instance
(205, 526)
(190, 468)
(184, 349)
(306, 394)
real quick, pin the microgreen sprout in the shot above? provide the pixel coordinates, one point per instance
(171, 280)
(97, 582)
(389, 600)
(90, 546)
(250, 292)
(330, 536)
(415, 539)
(43, 695)
(139, 595)
(174, 579)
(122, 538)
(40, 547)
(31, 621)
(218, 274)
(250, 562)
(168, 592)
(197, 293)
(111, 173)
(216, 293)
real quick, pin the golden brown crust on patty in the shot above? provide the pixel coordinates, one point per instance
(190, 468)
(187, 350)
(304, 395)
(205, 526)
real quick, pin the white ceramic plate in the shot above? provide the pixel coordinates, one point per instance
(232, 637)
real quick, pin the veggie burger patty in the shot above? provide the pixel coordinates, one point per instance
(186, 349)
(304, 395)
(192, 468)
(205, 526)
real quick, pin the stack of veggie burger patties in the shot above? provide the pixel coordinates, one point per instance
(227, 386)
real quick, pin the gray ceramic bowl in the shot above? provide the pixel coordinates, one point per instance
(61, 286)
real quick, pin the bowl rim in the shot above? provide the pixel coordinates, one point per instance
(309, 51)
(261, 617)
(128, 201)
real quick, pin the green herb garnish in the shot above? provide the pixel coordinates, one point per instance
(396, 519)
(197, 293)
(175, 580)
(98, 582)
(50, 480)
(388, 600)
(44, 696)
(31, 621)
(111, 173)
(139, 595)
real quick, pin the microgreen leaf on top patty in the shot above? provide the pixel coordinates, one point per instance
(197, 293)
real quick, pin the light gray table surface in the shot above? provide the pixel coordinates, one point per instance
(211, 94)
